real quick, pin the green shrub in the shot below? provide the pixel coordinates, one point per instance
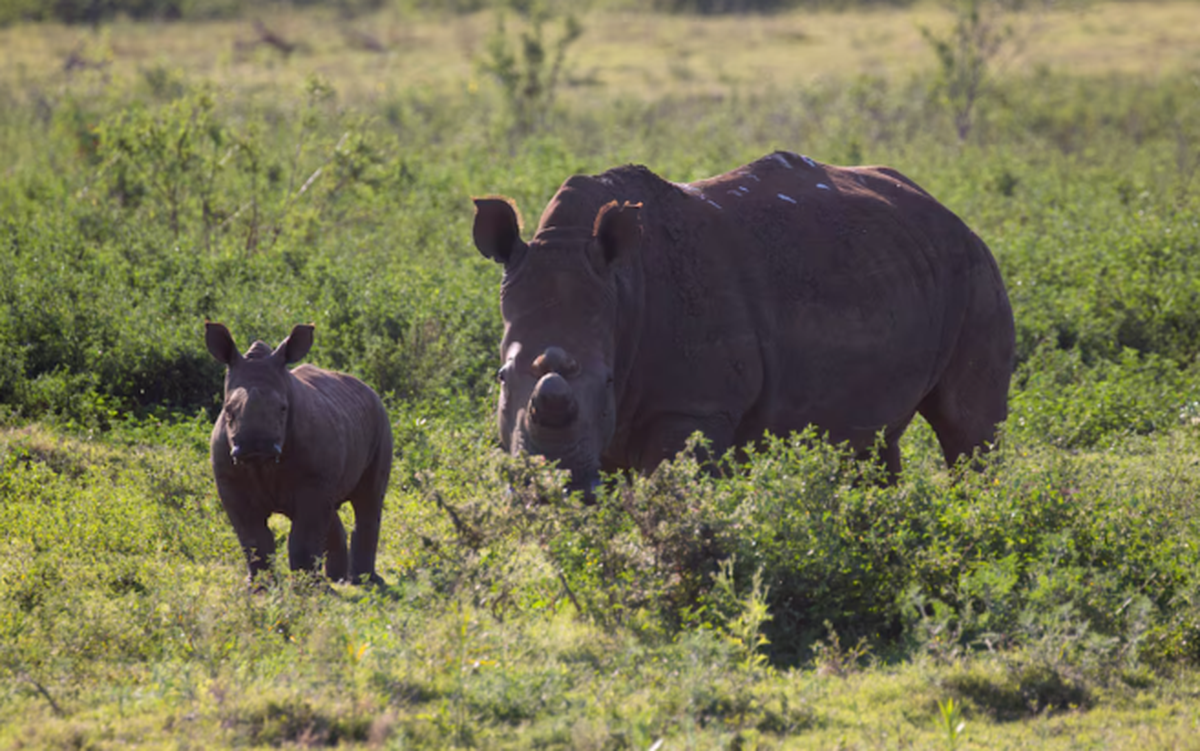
(1061, 400)
(530, 73)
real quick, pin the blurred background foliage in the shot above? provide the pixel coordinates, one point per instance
(97, 11)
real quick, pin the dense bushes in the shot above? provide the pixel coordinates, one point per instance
(164, 207)
(510, 604)
(186, 216)
(1094, 554)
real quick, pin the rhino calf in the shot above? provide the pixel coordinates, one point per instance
(300, 443)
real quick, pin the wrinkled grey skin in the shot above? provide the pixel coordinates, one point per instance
(299, 443)
(783, 294)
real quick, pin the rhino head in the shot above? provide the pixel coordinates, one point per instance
(559, 301)
(256, 403)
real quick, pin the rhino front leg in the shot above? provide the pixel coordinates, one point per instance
(667, 435)
(255, 537)
(336, 561)
(887, 454)
(310, 536)
(368, 512)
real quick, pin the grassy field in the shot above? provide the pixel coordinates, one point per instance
(621, 54)
(156, 175)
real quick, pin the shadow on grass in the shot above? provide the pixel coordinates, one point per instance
(1021, 690)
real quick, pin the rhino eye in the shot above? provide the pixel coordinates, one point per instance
(500, 374)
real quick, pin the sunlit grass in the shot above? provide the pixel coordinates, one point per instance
(109, 650)
(642, 56)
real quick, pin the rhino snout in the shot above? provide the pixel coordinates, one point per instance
(256, 452)
(553, 402)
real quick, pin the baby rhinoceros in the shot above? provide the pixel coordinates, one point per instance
(300, 443)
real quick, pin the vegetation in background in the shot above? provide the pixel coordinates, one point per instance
(529, 74)
(788, 600)
(967, 52)
(96, 11)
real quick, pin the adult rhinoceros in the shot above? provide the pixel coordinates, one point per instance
(783, 294)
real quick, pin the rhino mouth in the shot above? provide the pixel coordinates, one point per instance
(256, 453)
(564, 445)
(587, 483)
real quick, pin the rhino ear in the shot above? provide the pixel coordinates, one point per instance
(497, 229)
(296, 346)
(220, 343)
(618, 229)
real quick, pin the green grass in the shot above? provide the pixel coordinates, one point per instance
(1051, 599)
(145, 633)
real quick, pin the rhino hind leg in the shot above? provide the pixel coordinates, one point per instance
(367, 501)
(971, 396)
(966, 406)
(365, 540)
(336, 561)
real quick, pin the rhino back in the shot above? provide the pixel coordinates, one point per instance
(337, 430)
(788, 292)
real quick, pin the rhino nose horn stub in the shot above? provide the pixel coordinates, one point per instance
(553, 402)
(555, 360)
